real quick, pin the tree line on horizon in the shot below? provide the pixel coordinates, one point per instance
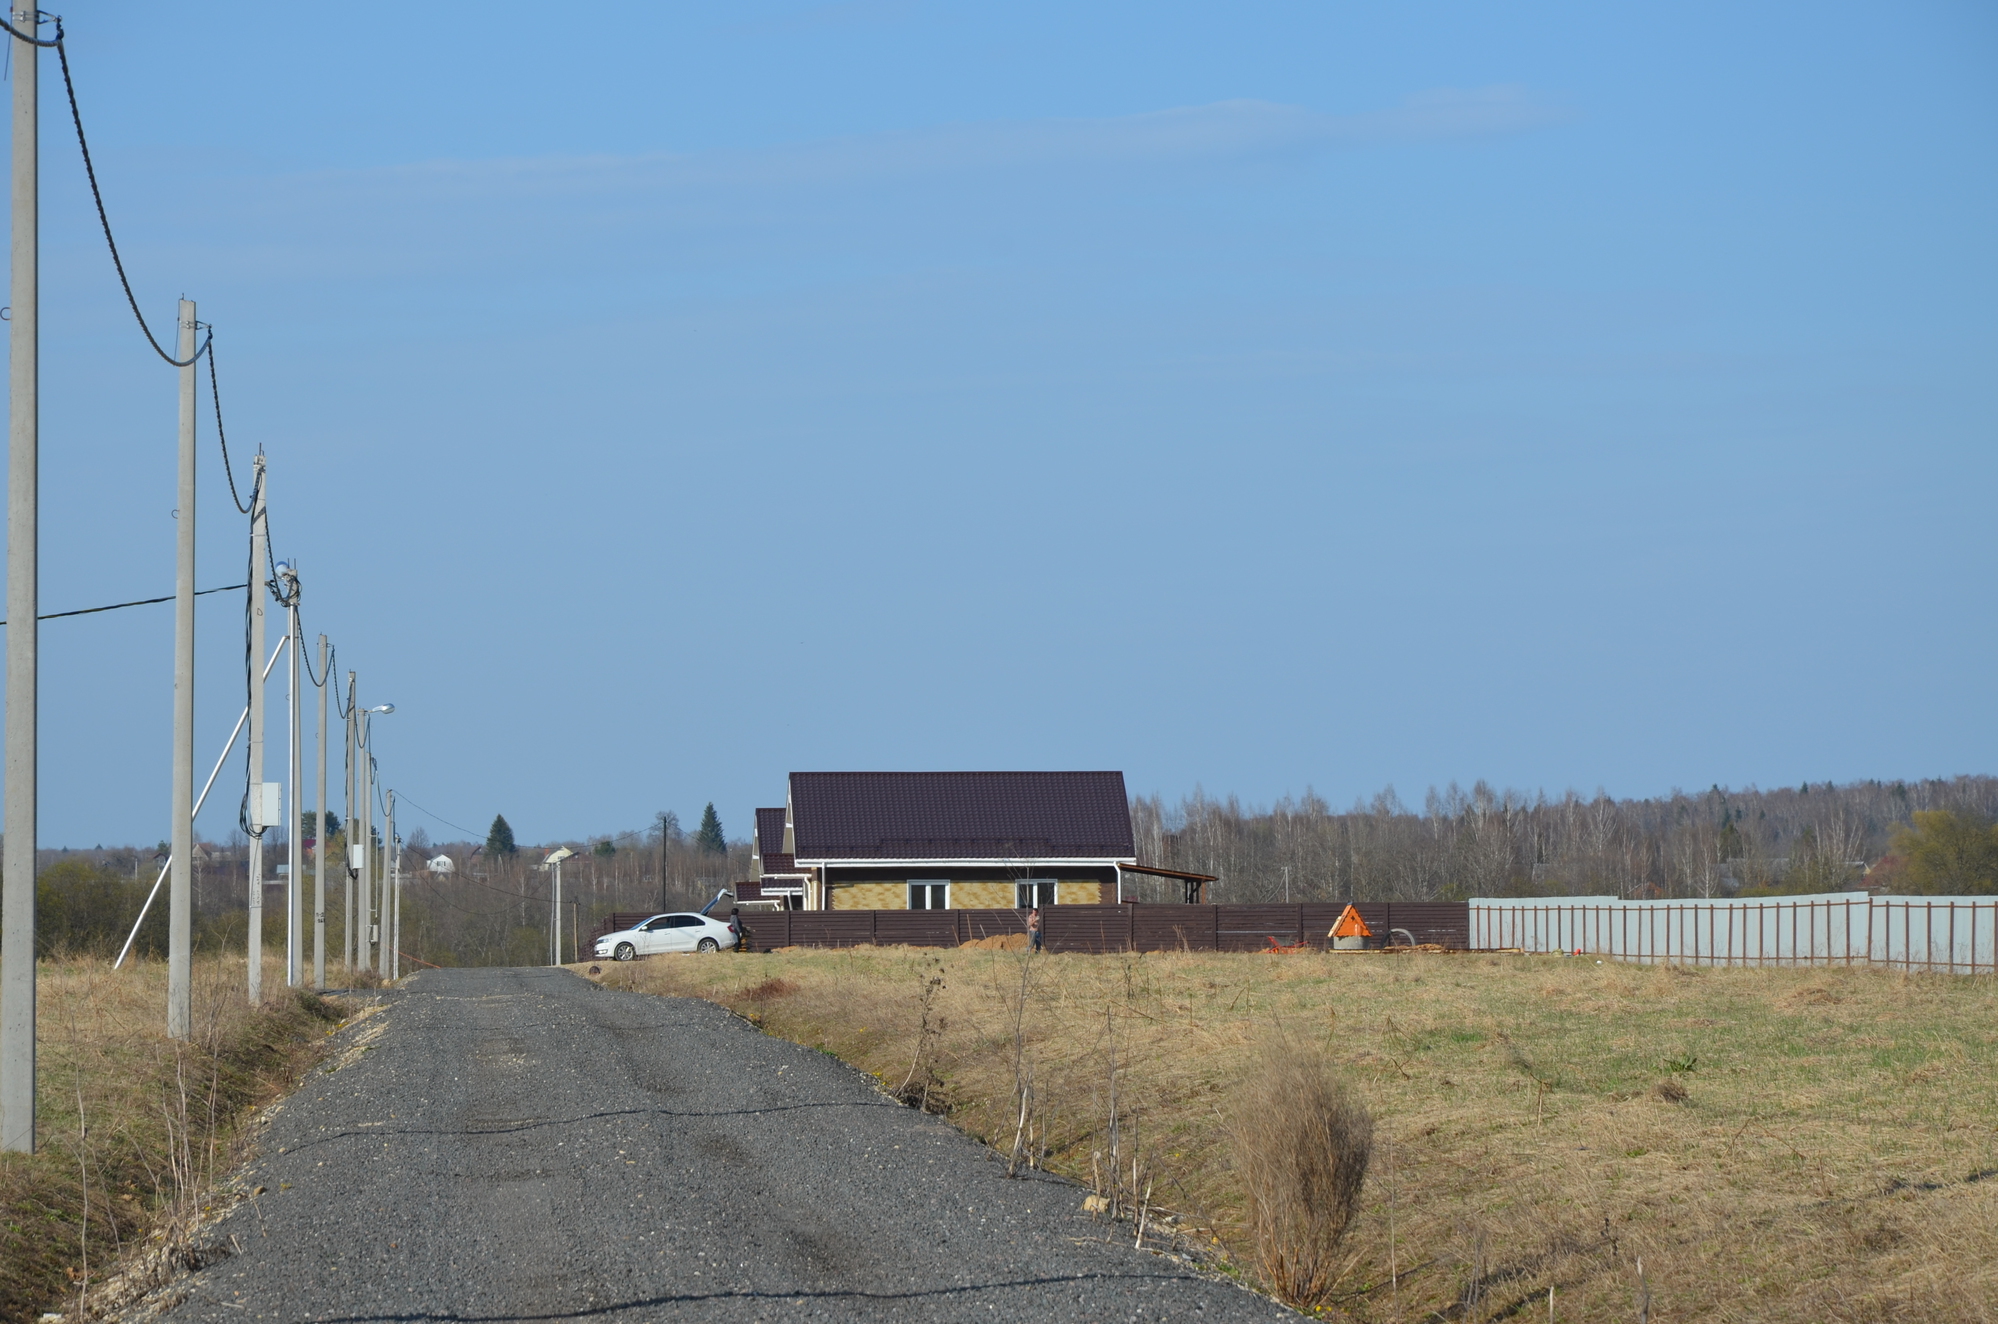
(1934, 836)
(491, 908)
(493, 905)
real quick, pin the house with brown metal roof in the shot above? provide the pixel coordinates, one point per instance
(948, 840)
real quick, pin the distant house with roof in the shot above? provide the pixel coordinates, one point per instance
(950, 841)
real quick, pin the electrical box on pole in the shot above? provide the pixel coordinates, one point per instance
(267, 805)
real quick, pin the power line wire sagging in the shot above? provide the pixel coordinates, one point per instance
(139, 602)
(97, 197)
(459, 827)
(215, 395)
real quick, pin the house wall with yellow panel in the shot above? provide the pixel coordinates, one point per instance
(983, 894)
(870, 896)
(885, 886)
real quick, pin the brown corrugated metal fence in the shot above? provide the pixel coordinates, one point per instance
(1147, 928)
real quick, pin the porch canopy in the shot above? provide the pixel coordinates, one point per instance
(1196, 883)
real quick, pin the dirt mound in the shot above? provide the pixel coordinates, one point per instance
(998, 942)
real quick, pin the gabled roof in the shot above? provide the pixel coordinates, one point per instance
(960, 815)
(770, 853)
(770, 831)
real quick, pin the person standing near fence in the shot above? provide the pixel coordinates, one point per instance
(1034, 929)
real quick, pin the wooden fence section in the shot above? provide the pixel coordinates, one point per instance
(1950, 935)
(1144, 928)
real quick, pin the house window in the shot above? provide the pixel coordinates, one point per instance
(1034, 892)
(929, 894)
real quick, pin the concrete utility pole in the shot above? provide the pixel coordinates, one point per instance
(364, 778)
(259, 549)
(374, 887)
(350, 945)
(395, 895)
(320, 835)
(180, 888)
(17, 856)
(294, 826)
(554, 862)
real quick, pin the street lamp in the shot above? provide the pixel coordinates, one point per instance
(554, 861)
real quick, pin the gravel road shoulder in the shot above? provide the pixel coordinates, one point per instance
(524, 1145)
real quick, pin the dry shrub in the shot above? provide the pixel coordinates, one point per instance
(770, 989)
(1301, 1146)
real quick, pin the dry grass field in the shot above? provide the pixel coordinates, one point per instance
(1770, 1145)
(132, 1126)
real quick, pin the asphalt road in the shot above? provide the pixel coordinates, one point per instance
(525, 1145)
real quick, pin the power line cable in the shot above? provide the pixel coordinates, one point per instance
(525, 896)
(118, 262)
(37, 41)
(439, 817)
(615, 836)
(142, 602)
(332, 653)
(215, 394)
(97, 196)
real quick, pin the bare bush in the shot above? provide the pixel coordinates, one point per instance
(1301, 1145)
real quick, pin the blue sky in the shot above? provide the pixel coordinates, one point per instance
(1257, 396)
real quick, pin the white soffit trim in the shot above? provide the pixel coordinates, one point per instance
(1036, 862)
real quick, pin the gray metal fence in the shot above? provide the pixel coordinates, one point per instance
(1941, 934)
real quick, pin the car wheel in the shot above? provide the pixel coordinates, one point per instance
(709, 945)
(624, 952)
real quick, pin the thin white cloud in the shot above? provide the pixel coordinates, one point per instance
(844, 14)
(1221, 131)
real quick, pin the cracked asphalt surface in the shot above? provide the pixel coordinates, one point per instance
(525, 1145)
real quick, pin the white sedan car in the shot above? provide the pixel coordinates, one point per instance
(684, 932)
